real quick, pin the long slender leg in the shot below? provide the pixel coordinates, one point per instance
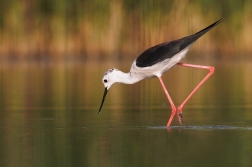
(170, 100)
(211, 71)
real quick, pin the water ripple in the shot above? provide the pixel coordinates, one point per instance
(206, 127)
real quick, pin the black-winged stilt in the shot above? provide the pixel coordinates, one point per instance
(156, 60)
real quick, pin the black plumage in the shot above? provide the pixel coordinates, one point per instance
(166, 50)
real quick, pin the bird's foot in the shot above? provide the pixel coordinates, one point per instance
(180, 117)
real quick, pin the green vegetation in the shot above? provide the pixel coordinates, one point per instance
(118, 29)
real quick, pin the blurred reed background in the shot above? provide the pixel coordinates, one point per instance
(118, 29)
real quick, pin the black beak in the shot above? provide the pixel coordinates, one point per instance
(103, 98)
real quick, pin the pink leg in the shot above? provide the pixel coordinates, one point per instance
(170, 100)
(211, 71)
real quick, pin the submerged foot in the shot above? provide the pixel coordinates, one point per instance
(180, 117)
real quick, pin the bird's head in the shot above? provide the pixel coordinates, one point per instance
(108, 79)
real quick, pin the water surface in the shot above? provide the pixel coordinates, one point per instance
(49, 117)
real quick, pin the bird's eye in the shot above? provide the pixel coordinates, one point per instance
(105, 80)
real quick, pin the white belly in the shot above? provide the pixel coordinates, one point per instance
(158, 69)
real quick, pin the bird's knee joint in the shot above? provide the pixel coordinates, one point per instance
(211, 69)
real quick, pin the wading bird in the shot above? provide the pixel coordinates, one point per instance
(156, 60)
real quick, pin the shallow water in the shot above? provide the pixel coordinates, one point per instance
(49, 117)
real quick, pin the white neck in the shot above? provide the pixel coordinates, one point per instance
(126, 78)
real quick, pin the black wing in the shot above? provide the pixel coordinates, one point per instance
(166, 50)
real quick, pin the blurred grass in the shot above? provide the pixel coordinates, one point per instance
(118, 29)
